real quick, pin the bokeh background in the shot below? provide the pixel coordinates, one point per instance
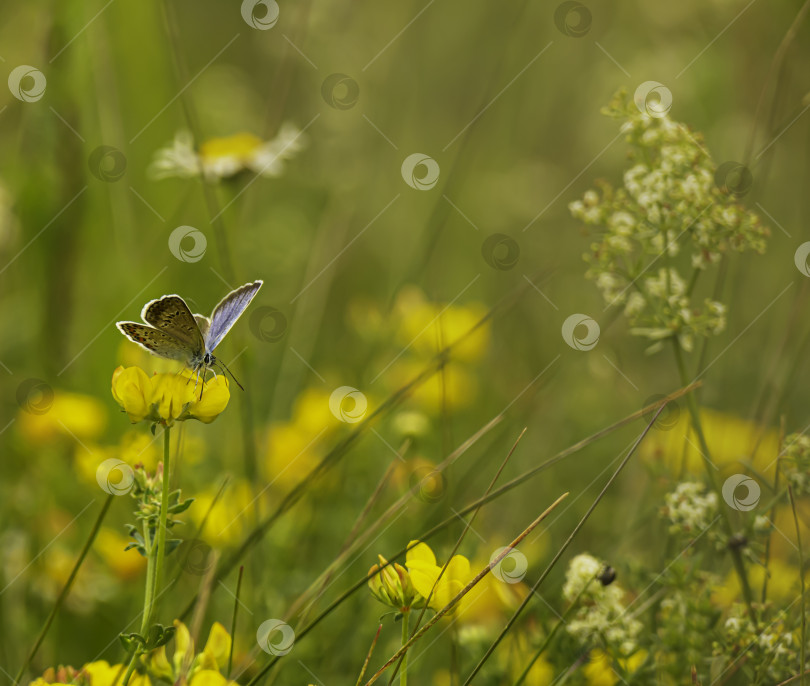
(365, 279)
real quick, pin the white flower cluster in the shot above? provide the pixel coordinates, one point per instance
(795, 463)
(771, 651)
(669, 214)
(602, 615)
(689, 508)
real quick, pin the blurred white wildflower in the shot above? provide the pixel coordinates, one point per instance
(689, 508)
(669, 210)
(795, 463)
(221, 158)
(771, 652)
(602, 614)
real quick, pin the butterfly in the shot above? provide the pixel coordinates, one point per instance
(173, 332)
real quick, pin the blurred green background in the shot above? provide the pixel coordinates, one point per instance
(358, 266)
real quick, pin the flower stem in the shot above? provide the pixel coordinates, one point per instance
(164, 508)
(736, 554)
(403, 672)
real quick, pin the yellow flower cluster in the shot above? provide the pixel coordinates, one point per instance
(200, 669)
(404, 589)
(99, 673)
(166, 398)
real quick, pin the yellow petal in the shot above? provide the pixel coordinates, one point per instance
(419, 551)
(458, 568)
(172, 393)
(423, 575)
(183, 646)
(218, 645)
(132, 389)
(159, 664)
(215, 397)
(207, 677)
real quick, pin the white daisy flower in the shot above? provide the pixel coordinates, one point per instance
(221, 158)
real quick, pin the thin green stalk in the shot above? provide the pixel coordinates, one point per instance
(65, 589)
(801, 578)
(403, 672)
(455, 600)
(736, 554)
(233, 622)
(514, 483)
(552, 633)
(164, 508)
(563, 548)
(155, 553)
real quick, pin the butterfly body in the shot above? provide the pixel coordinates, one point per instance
(173, 332)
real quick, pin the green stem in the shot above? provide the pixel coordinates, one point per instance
(155, 552)
(65, 589)
(164, 508)
(736, 555)
(403, 671)
(551, 634)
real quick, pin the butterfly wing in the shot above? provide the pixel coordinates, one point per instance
(156, 342)
(204, 323)
(171, 315)
(228, 310)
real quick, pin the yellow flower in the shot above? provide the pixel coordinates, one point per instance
(392, 586)
(167, 398)
(732, 442)
(111, 545)
(783, 584)
(428, 327)
(227, 520)
(220, 158)
(202, 669)
(600, 670)
(424, 572)
(103, 674)
(56, 414)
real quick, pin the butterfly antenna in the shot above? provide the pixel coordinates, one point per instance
(222, 365)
